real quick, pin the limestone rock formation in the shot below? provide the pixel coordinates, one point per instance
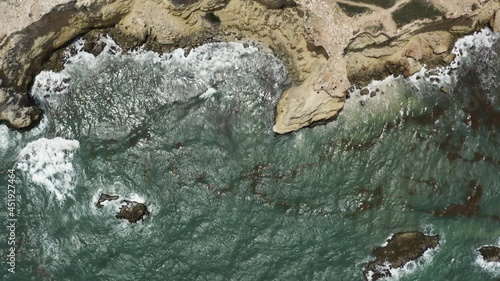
(132, 211)
(490, 253)
(16, 110)
(325, 47)
(402, 248)
(275, 4)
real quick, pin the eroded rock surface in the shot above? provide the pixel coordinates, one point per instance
(326, 47)
(402, 248)
(132, 211)
(495, 22)
(17, 111)
(490, 253)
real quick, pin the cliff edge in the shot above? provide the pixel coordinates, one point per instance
(327, 45)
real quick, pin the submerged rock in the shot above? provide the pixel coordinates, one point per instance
(490, 253)
(132, 211)
(402, 248)
(105, 197)
(445, 90)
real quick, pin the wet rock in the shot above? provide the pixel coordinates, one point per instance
(402, 248)
(495, 22)
(445, 90)
(490, 253)
(364, 92)
(373, 94)
(132, 211)
(471, 206)
(276, 4)
(17, 112)
(449, 58)
(362, 102)
(105, 197)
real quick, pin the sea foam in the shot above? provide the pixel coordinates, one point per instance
(48, 163)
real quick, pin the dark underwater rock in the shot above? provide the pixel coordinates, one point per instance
(105, 197)
(402, 248)
(490, 253)
(132, 211)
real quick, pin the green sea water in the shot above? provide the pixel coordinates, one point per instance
(191, 136)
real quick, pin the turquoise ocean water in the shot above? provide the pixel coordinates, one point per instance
(191, 136)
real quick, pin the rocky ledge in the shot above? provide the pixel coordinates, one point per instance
(327, 45)
(402, 248)
(490, 253)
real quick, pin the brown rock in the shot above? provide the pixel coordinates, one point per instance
(445, 90)
(105, 197)
(402, 248)
(495, 22)
(490, 253)
(16, 112)
(276, 4)
(414, 52)
(364, 92)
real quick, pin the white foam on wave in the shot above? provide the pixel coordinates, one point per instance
(49, 163)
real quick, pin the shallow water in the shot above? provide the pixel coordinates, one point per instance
(191, 137)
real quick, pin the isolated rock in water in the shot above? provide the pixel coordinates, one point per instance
(402, 248)
(16, 110)
(132, 211)
(365, 92)
(105, 197)
(490, 253)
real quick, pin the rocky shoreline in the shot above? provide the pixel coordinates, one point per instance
(324, 44)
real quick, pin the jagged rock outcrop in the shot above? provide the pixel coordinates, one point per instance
(402, 248)
(325, 48)
(105, 197)
(490, 253)
(132, 211)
